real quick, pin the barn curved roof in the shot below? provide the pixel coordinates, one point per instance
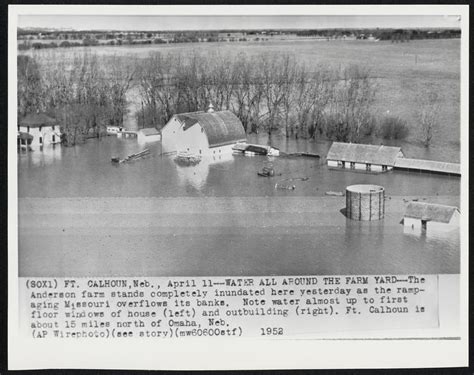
(221, 127)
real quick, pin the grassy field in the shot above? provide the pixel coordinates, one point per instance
(403, 71)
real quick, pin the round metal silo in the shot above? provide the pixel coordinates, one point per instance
(365, 202)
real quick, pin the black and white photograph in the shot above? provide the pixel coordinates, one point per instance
(208, 150)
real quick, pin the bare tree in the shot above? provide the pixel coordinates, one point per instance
(273, 78)
(29, 85)
(350, 116)
(428, 112)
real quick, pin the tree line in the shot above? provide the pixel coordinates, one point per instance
(272, 93)
(84, 93)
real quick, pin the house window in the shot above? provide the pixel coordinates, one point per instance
(28, 129)
(200, 151)
(384, 167)
(54, 138)
(353, 165)
(202, 130)
(41, 140)
(423, 224)
(41, 128)
(368, 167)
(53, 127)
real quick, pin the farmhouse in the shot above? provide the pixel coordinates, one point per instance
(375, 158)
(432, 217)
(202, 133)
(148, 135)
(41, 127)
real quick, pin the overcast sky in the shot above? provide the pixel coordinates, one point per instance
(116, 22)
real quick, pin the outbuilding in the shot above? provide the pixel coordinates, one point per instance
(43, 129)
(431, 217)
(202, 133)
(371, 158)
(148, 135)
(114, 129)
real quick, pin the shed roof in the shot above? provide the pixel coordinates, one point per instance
(429, 211)
(221, 127)
(149, 131)
(360, 153)
(428, 165)
(36, 120)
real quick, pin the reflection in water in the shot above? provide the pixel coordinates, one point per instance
(41, 157)
(447, 237)
(196, 175)
(263, 229)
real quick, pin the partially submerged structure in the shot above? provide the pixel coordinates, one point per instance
(371, 158)
(202, 133)
(431, 217)
(24, 140)
(147, 135)
(429, 166)
(114, 129)
(380, 158)
(365, 202)
(43, 129)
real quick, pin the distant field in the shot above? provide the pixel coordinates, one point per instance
(402, 70)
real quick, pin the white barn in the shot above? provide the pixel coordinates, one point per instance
(42, 128)
(373, 158)
(202, 133)
(431, 217)
(148, 135)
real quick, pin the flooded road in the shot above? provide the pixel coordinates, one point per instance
(81, 215)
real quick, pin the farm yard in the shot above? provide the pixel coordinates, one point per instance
(80, 210)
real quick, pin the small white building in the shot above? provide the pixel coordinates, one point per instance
(202, 133)
(114, 130)
(148, 135)
(371, 158)
(431, 217)
(42, 128)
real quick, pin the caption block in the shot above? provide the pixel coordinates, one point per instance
(180, 308)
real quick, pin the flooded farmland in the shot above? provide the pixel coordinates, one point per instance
(79, 212)
(81, 215)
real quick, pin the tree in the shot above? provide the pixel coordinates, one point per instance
(29, 85)
(273, 80)
(351, 118)
(428, 112)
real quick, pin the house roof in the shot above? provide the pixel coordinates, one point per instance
(429, 211)
(360, 153)
(221, 127)
(36, 120)
(428, 165)
(149, 131)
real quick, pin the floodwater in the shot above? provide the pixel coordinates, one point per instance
(81, 215)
